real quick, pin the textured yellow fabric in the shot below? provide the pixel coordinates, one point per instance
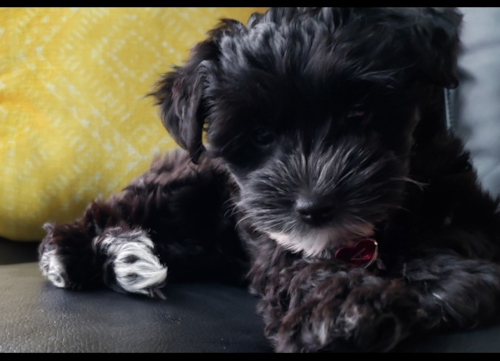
(74, 122)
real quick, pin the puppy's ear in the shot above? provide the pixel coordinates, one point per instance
(180, 93)
(435, 38)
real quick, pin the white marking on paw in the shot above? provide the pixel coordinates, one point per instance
(136, 268)
(52, 268)
(323, 333)
(350, 320)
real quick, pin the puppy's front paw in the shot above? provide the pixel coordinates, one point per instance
(50, 263)
(53, 268)
(374, 315)
(132, 265)
(65, 257)
(377, 315)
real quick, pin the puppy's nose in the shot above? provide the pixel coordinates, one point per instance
(314, 211)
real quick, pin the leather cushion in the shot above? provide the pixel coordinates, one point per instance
(37, 317)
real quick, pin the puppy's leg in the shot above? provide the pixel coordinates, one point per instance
(319, 306)
(454, 292)
(131, 261)
(101, 248)
(66, 256)
(176, 215)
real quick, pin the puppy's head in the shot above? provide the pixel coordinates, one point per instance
(314, 111)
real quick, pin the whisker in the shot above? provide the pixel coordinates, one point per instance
(242, 219)
(421, 185)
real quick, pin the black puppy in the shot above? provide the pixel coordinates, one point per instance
(329, 179)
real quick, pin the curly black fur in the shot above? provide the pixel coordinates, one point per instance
(323, 125)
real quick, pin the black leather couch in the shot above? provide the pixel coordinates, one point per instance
(37, 317)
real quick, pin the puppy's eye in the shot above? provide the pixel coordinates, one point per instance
(262, 136)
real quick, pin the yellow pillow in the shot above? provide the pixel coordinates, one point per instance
(74, 122)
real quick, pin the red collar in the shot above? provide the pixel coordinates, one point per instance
(363, 254)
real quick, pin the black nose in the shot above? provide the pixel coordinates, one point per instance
(313, 210)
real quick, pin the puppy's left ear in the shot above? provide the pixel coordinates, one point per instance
(435, 37)
(180, 93)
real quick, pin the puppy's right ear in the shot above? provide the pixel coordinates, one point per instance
(180, 93)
